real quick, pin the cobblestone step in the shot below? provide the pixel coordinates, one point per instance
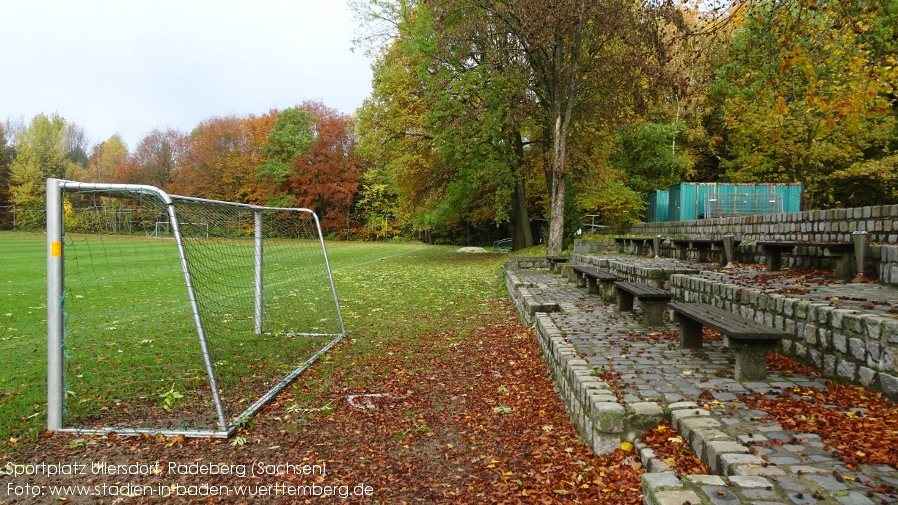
(661, 381)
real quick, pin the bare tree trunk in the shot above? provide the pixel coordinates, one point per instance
(564, 106)
(521, 236)
(559, 153)
(547, 148)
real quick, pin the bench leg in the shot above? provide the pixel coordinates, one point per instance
(591, 286)
(690, 333)
(774, 261)
(751, 361)
(703, 254)
(681, 252)
(567, 271)
(624, 301)
(844, 265)
(654, 312)
(608, 291)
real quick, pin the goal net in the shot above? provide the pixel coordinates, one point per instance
(177, 315)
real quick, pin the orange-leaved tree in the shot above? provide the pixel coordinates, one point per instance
(311, 162)
(155, 160)
(221, 159)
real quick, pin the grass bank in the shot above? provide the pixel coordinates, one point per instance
(389, 293)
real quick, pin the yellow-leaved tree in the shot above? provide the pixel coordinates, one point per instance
(806, 98)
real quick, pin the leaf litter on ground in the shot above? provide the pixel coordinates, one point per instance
(470, 419)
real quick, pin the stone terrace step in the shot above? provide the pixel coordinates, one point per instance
(587, 335)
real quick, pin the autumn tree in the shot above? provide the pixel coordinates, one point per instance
(482, 118)
(49, 147)
(394, 136)
(569, 46)
(691, 42)
(311, 162)
(377, 206)
(5, 156)
(256, 130)
(289, 138)
(506, 87)
(806, 98)
(155, 160)
(221, 159)
(106, 160)
(441, 120)
(326, 177)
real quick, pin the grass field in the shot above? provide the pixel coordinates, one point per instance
(23, 330)
(388, 292)
(438, 394)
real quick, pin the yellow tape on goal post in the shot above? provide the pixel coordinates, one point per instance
(56, 249)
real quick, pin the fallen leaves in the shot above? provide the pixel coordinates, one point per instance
(446, 418)
(787, 366)
(858, 424)
(671, 448)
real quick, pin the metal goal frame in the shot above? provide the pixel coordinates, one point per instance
(56, 188)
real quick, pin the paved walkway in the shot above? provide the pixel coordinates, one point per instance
(794, 468)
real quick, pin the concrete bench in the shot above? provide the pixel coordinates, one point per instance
(651, 300)
(633, 245)
(593, 277)
(749, 340)
(703, 247)
(555, 260)
(843, 251)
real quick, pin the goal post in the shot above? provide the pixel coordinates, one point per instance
(186, 333)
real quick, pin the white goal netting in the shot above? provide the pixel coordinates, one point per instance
(178, 315)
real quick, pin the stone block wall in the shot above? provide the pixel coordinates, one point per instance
(653, 275)
(521, 262)
(594, 245)
(835, 225)
(851, 345)
(591, 404)
(888, 263)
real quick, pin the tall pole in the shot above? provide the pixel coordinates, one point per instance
(257, 253)
(55, 307)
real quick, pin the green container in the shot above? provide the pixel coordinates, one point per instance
(657, 208)
(688, 201)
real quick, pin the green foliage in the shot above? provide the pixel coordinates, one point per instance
(43, 150)
(479, 112)
(170, 399)
(394, 140)
(805, 95)
(615, 203)
(105, 161)
(377, 207)
(6, 214)
(290, 137)
(650, 157)
(865, 183)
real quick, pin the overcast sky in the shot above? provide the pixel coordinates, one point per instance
(129, 66)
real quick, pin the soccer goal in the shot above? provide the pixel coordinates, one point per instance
(183, 329)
